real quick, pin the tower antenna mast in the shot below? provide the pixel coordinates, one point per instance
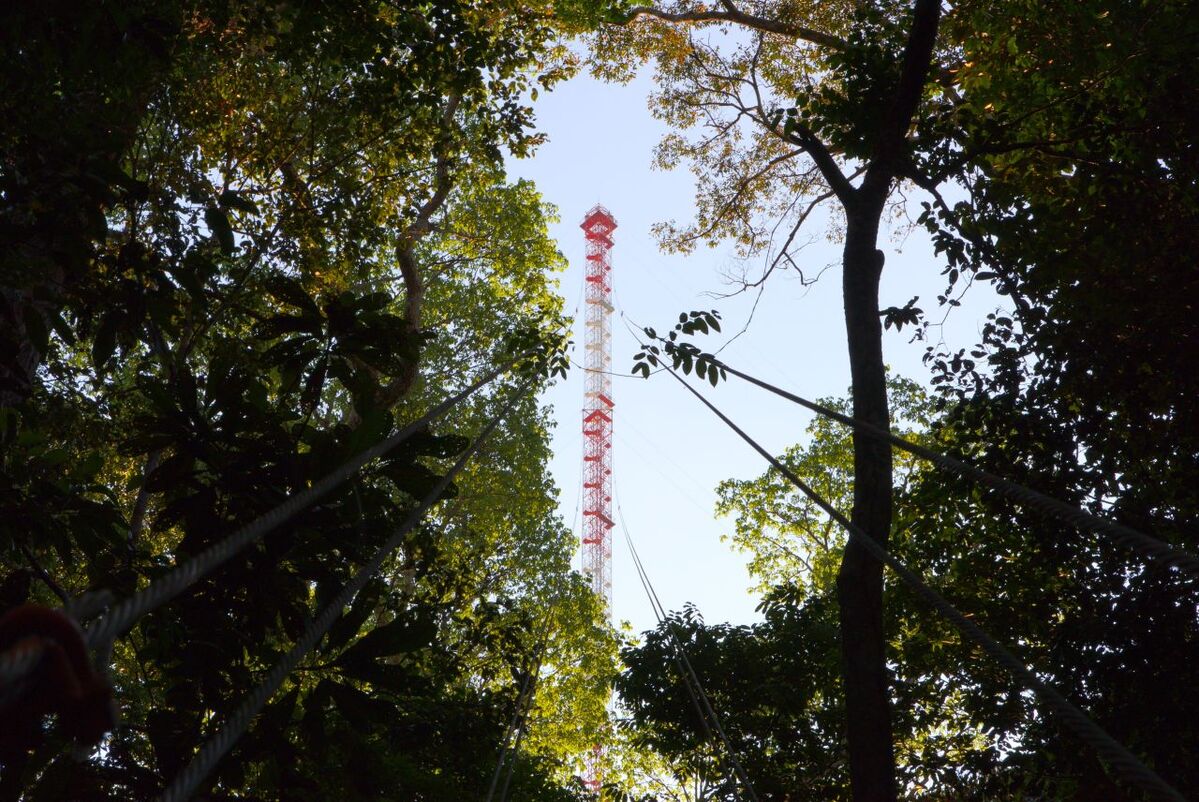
(598, 406)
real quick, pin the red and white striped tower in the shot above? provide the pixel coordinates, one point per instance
(598, 226)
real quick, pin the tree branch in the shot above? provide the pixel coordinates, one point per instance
(739, 17)
(917, 60)
(980, 246)
(44, 575)
(441, 183)
(414, 286)
(422, 224)
(825, 162)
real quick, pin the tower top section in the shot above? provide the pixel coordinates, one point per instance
(598, 222)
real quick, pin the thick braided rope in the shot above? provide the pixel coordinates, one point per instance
(125, 614)
(1126, 764)
(186, 782)
(1147, 546)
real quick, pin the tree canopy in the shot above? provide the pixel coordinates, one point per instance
(244, 242)
(1053, 148)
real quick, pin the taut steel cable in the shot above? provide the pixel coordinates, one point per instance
(1127, 765)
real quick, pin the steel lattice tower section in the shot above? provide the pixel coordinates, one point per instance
(597, 227)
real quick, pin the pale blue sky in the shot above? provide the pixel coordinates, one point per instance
(670, 452)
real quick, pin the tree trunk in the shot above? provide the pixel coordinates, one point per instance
(860, 581)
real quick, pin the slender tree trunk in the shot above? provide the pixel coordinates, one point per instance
(860, 581)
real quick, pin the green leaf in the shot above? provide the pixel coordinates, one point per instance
(60, 326)
(171, 473)
(271, 726)
(287, 290)
(235, 200)
(278, 325)
(394, 678)
(348, 625)
(314, 385)
(375, 425)
(357, 707)
(400, 636)
(426, 444)
(218, 224)
(35, 328)
(105, 341)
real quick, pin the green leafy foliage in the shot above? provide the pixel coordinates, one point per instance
(1075, 140)
(1055, 145)
(242, 244)
(683, 355)
(777, 684)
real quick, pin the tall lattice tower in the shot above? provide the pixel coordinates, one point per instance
(598, 226)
